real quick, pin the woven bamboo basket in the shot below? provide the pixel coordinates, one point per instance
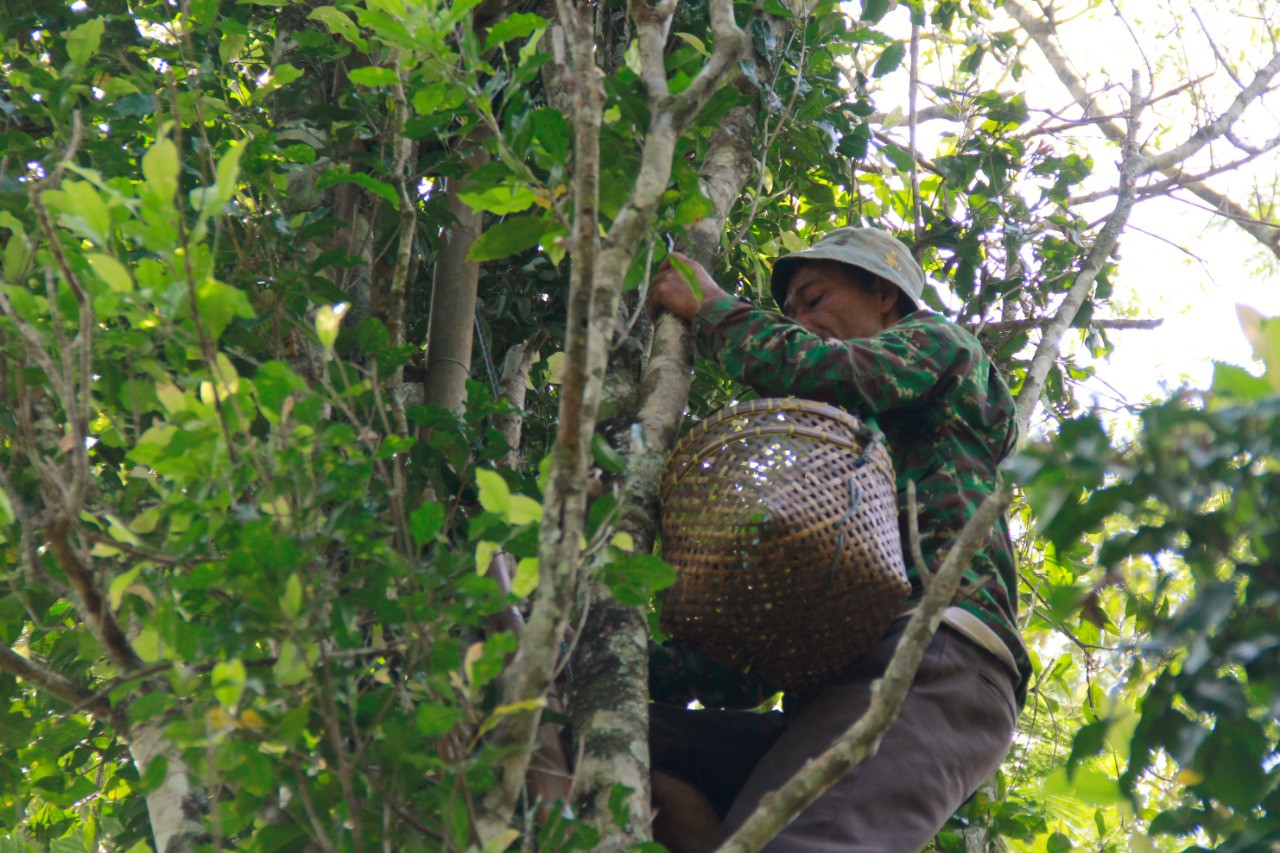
(780, 518)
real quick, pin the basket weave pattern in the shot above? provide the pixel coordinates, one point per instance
(780, 519)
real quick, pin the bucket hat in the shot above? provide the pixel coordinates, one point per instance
(871, 249)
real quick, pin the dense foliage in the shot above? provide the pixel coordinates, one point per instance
(242, 566)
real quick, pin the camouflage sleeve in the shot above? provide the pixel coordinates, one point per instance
(908, 364)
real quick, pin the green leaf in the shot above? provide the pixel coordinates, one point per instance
(552, 131)
(890, 59)
(118, 585)
(372, 75)
(339, 24)
(634, 579)
(17, 255)
(484, 555)
(524, 510)
(1238, 383)
(340, 174)
(160, 168)
(526, 579)
(228, 678)
(426, 521)
(111, 271)
(82, 210)
(514, 26)
(605, 456)
(874, 10)
(495, 495)
(689, 275)
(502, 199)
(290, 667)
(83, 41)
(219, 303)
(291, 600)
(508, 237)
(434, 720)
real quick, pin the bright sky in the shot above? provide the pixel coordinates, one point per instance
(1195, 294)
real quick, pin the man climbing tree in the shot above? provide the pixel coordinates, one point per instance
(852, 333)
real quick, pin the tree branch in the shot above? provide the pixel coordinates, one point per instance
(1051, 341)
(1042, 32)
(61, 687)
(1002, 327)
(92, 605)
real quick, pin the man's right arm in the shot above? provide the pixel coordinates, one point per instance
(907, 364)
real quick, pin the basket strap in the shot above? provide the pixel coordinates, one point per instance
(855, 500)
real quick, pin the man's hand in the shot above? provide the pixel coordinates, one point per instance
(670, 292)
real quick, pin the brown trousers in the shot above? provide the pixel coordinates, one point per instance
(953, 731)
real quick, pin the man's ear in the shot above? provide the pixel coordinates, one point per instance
(886, 295)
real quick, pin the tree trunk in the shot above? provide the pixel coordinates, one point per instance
(175, 807)
(453, 304)
(609, 702)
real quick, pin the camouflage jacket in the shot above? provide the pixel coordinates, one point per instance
(946, 413)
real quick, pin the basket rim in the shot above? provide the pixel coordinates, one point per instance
(684, 457)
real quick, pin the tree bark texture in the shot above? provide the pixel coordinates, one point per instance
(599, 267)
(609, 702)
(175, 807)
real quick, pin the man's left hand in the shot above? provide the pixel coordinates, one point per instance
(670, 292)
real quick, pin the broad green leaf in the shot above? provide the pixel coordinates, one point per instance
(874, 10)
(111, 271)
(509, 237)
(634, 579)
(219, 304)
(160, 168)
(328, 319)
(290, 667)
(523, 510)
(553, 132)
(118, 585)
(526, 579)
(291, 600)
(495, 495)
(514, 26)
(426, 521)
(228, 679)
(434, 720)
(282, 75)
(1238, 383)
(372, 75)
(83, 41)
(232, 44)
(339, 24)
(146, 521)
(502, 199)
(689, 275)
(605, 456)
(120, 533)
(890, 59)
(484, 555)
(17, 257)
(340, 174)
(171, 397)
(81, 209)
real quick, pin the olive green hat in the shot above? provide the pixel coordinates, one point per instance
(878, 252)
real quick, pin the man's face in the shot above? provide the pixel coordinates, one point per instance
(827, 299)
